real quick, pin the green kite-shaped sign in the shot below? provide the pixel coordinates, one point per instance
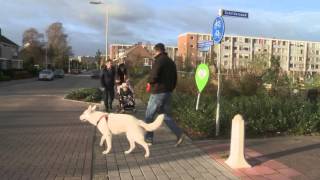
(202, 76)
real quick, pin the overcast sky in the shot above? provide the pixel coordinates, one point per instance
(132, 21)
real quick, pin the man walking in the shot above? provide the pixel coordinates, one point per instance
(107, 81)
(162, 81)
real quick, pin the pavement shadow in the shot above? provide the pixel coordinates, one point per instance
(263, 158)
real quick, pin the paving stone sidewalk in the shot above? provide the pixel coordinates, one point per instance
(165, 162)
(43, 138)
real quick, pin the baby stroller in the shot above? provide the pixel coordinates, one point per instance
(126, 99)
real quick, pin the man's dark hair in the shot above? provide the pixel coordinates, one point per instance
(160, 47)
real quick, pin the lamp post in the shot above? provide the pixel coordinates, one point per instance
(69, 71)
(46, 51)
(107, 22)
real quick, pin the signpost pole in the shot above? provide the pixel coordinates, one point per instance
(198, 99)
(218, 94)
(217, 34)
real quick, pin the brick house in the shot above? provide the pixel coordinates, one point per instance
(137, 56)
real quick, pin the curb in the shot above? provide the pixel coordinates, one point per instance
(79, 101)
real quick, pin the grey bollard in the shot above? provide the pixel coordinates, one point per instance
(236, 157)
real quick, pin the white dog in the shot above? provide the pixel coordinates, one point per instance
(111, 123)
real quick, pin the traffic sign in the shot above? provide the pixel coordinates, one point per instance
(204, 46)
(223, 12)
(218, 30)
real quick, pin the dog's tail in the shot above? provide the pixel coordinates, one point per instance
(152, 126)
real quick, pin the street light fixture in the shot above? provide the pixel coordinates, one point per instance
(107, 22)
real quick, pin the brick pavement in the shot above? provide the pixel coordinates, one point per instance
(165, 162)
(43, 138)
(262, 166)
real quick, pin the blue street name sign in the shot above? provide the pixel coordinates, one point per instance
(218, 30)
(204, 45)
(234, 13)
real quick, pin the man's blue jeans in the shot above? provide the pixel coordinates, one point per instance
(160, 103)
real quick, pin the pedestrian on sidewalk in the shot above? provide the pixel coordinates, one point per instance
(162, 81)
(122, 74)
(107, 81)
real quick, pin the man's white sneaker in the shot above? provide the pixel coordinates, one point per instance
(180, 140)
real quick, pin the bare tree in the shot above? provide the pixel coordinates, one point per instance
(32, 36)
(33, 52)
(59, 49)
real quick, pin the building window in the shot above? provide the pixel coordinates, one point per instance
(191, 46)
(300, 58)
(191, 37)
(235, 48)
(227, 39)
(234, 39)
(246, 40)
(226, 47)
(301, 51)
(317, 52)
(246, 49)
(317, 66)
(146, 61)
(283, 43)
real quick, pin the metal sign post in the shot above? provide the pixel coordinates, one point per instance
(217, 34)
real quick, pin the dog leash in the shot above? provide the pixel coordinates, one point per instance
(103, 116)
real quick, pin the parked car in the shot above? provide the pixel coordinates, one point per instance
(59, 73)
(95, 74)
(46, 74)
(75, 71)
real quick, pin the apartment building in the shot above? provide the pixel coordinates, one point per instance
(119, 50)
(238, 51)
(187, 47)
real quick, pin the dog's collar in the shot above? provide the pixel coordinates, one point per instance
(105, 116)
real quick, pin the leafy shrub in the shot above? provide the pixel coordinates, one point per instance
(265, 114)
(249, 85)
(140, 90)
(85, 94)
(4, 77)
(197, 124)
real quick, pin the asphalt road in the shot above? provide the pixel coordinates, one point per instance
(41, 136)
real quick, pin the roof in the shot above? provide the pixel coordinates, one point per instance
(131, 49)
(7, 41)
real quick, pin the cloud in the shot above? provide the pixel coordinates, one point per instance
(154, 21)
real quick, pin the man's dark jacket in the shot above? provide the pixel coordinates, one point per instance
(163, 77)
(108, 77)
